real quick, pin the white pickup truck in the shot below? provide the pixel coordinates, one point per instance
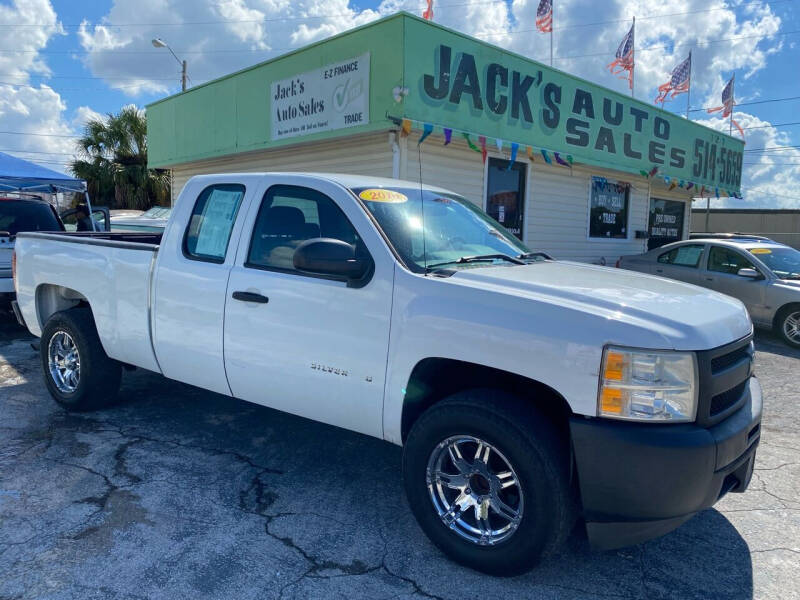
(526, 392)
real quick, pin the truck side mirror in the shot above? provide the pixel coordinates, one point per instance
(749, 273)
(333, 258)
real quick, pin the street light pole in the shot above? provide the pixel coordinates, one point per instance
(159, 43)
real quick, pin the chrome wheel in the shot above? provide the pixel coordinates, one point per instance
(64, 362)
(791, 327)
(475, 490)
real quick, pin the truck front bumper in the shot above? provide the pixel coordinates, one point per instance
(638, 480)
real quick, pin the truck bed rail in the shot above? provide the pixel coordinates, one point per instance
(132, 240)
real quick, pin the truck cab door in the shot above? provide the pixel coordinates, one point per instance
(305, 344)
(101, 217)
(190, 280)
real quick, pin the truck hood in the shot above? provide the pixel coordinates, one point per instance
(686, 316)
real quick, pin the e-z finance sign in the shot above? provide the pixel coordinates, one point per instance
(458, 83)
(333, 97)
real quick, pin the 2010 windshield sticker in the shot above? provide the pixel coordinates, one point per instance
(378, 195)
(760, 251)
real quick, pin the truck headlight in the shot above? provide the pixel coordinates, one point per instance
(648, 385)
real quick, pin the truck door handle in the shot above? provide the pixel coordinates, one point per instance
(709, 279)
(250, 297)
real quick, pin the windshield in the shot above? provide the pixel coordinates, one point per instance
(27, 215)
(783, 261)
(430, 229)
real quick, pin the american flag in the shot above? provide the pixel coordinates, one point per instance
(727, 104)
(623, 61)
(679, 81)
(428, 14)
(544, 16)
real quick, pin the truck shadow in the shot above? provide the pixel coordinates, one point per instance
(199, 488)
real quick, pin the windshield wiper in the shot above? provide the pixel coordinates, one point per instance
(478, 258)
(535, 255)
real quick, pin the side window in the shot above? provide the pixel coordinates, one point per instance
(724, 260)
(683, 256)
(290, 215)
(211, 223)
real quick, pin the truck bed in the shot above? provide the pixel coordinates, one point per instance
(110, 271)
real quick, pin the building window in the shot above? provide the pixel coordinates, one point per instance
(666, 222)
(608, 209)
(505, 194)
(211, 223)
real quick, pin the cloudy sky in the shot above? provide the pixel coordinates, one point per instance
(62, 61)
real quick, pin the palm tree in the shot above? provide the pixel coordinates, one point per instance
(113, 162)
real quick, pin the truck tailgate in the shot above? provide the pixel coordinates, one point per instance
(112, 275)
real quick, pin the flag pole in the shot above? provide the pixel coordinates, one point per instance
(633, 53)
(689, 89)
(552, 26)
(733, 86)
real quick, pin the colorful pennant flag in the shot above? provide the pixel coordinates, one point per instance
(623, 61)
(673, 185)
(546, 157)
(653, 171)
(427, 129)
(482, 140)
(702, 191)
(560, 160)
(405, 127)
(529, 151)
(499, 143)
(470, 144)
(514, 149)
(448, 135)
(570, 160)
(678, 83)
(689, 186)
(428, 12)
(544, 16)
(644, 173)
(716, 192)
(727, 104)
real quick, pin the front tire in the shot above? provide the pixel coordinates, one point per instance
(488, 480)
(787, 325)
(78, 373)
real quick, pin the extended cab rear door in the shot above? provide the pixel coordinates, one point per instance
(305, 344)
(191, 278)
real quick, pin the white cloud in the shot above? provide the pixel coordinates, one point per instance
(30, 111)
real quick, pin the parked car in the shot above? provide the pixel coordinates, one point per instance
(18, 215)
(525, 391)
(763, 274)
(152, 220)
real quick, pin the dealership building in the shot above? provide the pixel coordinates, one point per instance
(572, 168)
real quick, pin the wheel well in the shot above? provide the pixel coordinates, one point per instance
(434, 379)
(779, 312)
(51, 299)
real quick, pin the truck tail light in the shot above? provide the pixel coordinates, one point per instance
(618, 264)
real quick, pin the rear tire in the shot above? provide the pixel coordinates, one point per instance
(524, 447)
(787, 325)
(78, 373)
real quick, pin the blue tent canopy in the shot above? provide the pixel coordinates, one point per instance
(20, 175)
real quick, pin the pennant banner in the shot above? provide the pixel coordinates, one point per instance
(448, 135)
(427, 129)
(514, 149)
(546, 157)
(482, 140)
(470, 144)
(529, 151)
(560, 160)
(405, 127)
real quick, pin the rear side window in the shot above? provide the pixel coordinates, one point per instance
(683, 256)
(17, 216)
(211, 223)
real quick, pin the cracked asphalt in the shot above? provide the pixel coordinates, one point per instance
(181, 493)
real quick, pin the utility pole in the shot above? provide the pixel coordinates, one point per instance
(183, 75)
(159, 43)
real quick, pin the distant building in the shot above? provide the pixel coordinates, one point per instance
(782, 225)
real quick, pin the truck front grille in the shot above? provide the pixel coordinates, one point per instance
(724, 373)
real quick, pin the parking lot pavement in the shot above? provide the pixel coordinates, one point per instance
(181, 493)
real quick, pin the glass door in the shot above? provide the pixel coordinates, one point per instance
(505, 194)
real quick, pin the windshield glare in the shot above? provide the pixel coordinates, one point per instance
(784, 262)
(438, 230)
